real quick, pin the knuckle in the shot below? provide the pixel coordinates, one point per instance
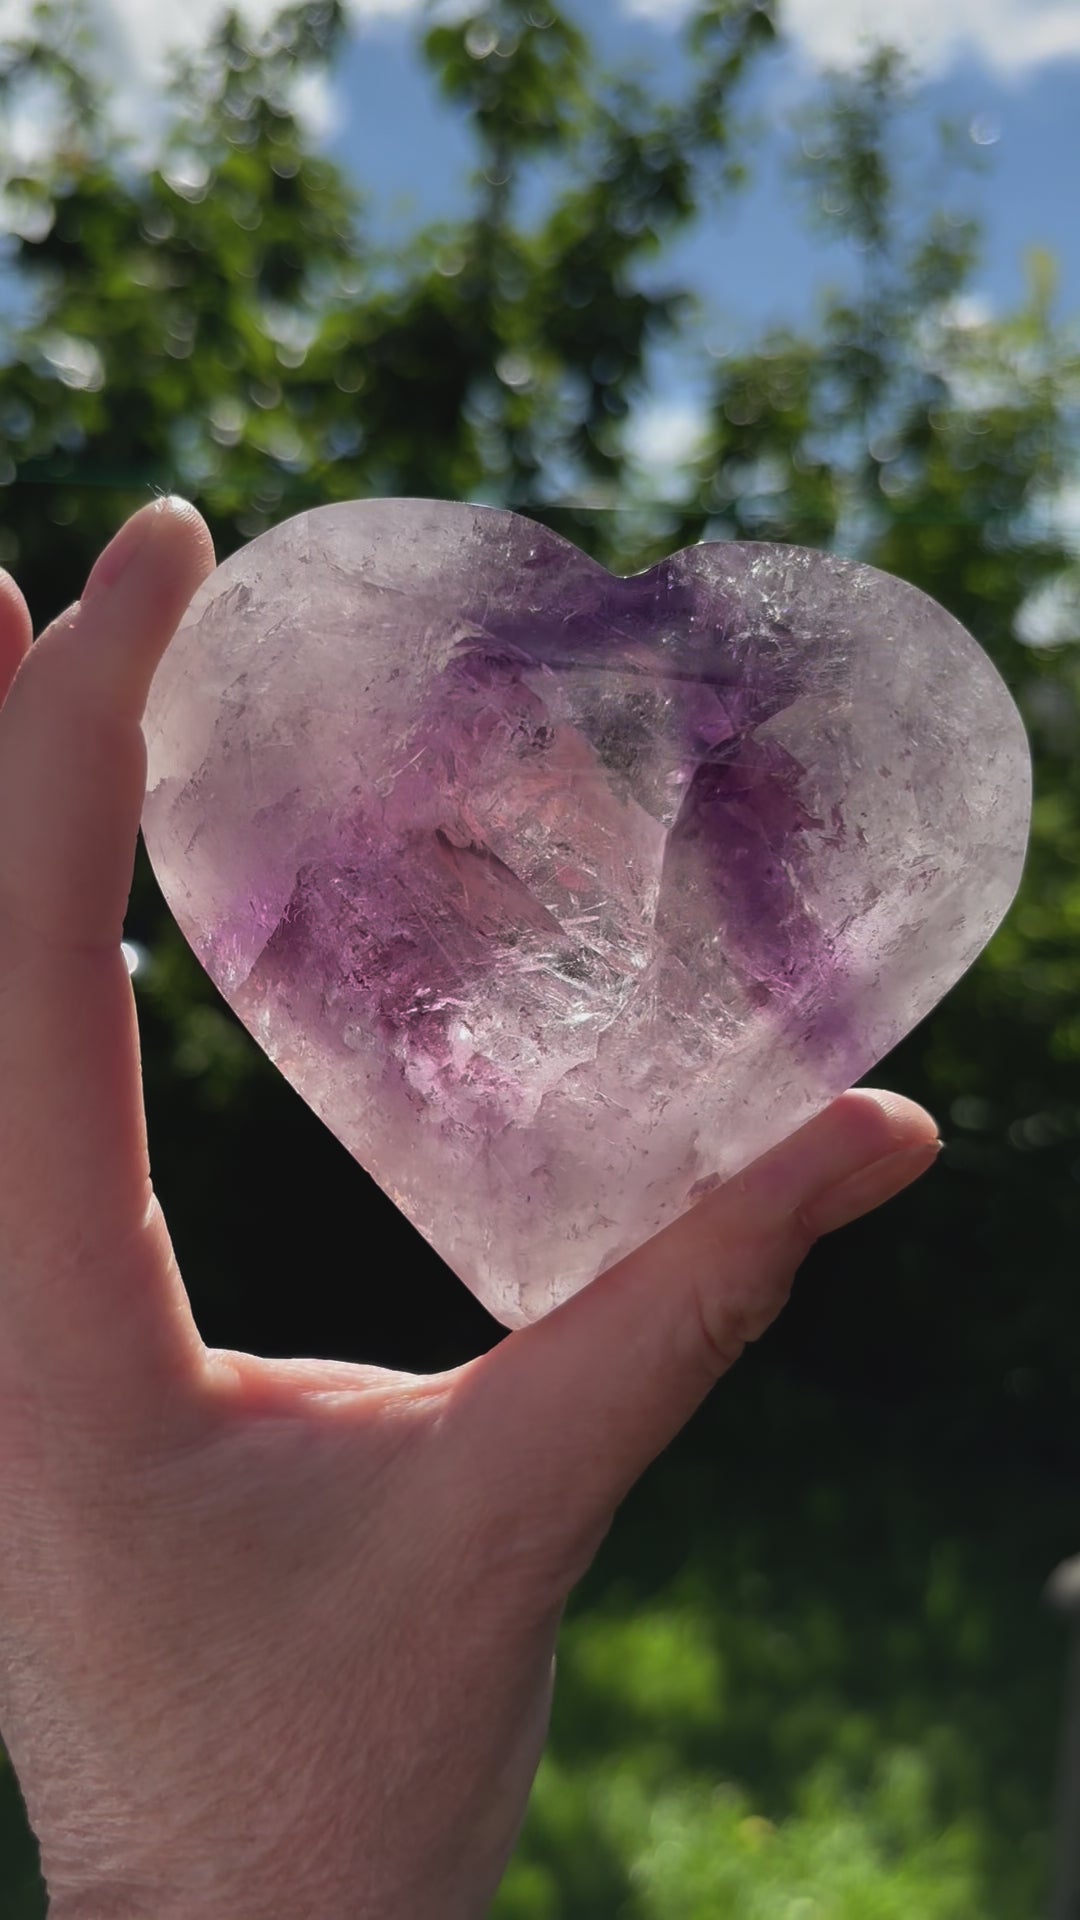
(732, 1309)
(715, 1332)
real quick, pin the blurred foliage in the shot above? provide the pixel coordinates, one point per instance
(807, 1697)
(808, 1678)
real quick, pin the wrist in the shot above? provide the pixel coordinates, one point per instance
(208, 1902)
(286, 1904)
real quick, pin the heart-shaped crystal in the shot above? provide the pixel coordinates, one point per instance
(560, 896)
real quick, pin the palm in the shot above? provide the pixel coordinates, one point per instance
(278, 1618)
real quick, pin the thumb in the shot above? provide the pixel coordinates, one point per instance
(570, 1411)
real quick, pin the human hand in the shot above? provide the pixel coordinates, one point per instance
(276, 1637)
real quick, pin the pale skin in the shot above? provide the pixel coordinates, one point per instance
(277, 1637)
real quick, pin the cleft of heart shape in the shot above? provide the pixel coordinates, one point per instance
(560, 896)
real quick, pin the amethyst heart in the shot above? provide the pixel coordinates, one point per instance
(560, 896)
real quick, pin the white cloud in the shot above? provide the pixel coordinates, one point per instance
(666, 433)
(1066, 515)
(142, 39)
(664, 438)
(1009, 36)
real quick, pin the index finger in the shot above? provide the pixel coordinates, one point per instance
(15, 632)
(86, 1281)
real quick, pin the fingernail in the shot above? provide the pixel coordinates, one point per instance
(868, 1188)
(124, 548)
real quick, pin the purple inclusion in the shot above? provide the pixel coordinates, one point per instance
(662, 678)
(742, 828)
(737, 848)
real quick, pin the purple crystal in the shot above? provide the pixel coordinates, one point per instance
(557, 895)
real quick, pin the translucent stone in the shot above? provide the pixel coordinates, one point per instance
(561, 896)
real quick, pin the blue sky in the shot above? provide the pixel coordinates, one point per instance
(1009, 70)
(757, 263)
(1011, 67)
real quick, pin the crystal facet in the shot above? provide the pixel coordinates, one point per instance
(560, 896)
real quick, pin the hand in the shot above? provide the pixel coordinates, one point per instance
(276, 1637)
